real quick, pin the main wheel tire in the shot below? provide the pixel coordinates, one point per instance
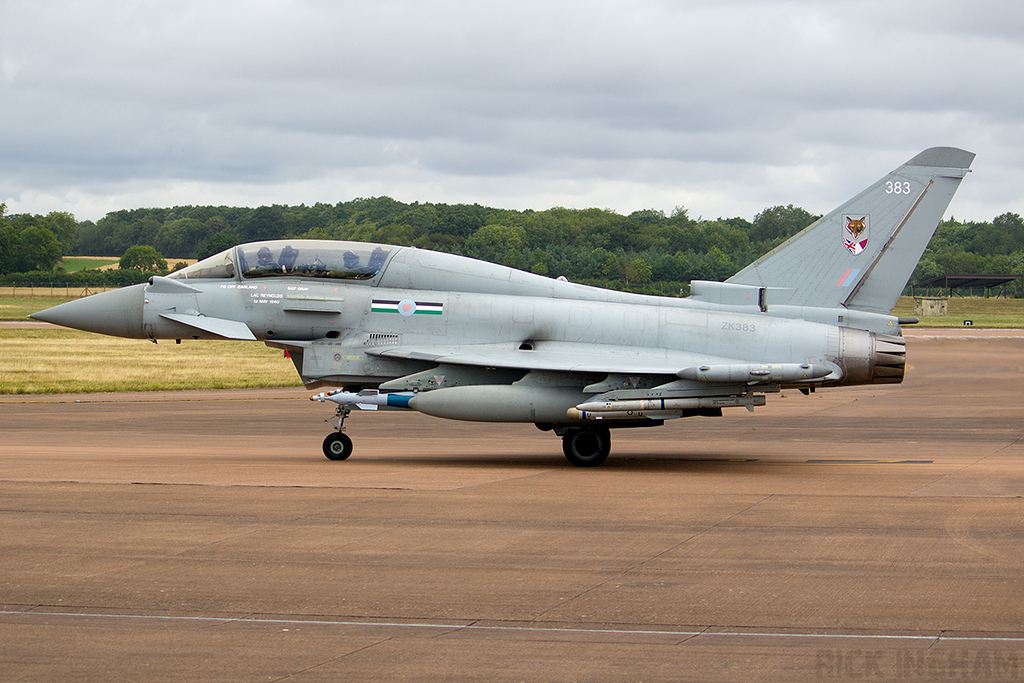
(337, 446)
(587, 447)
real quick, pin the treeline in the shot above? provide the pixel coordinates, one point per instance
(645, 250)
(994, 248)
(30, 243)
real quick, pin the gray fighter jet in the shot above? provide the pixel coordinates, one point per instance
(399, 328)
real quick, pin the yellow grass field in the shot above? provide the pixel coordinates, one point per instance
(44, 361)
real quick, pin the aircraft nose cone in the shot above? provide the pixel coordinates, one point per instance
(117, 313)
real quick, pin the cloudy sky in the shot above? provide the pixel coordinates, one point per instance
(722, 107)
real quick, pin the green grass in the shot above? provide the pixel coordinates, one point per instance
(990, 313)
(73, 264)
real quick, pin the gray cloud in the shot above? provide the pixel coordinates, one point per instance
(724, 107)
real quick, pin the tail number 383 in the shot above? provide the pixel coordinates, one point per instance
(897, 187)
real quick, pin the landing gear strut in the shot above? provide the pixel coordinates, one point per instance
(338, 445)
(587, 446)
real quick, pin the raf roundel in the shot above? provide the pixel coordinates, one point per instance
(406, 307)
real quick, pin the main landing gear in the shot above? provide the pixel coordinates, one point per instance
(587, 446)
(338, 445)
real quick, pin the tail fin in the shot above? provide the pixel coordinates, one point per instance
(861, 254)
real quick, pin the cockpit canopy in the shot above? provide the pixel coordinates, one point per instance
(292, 258)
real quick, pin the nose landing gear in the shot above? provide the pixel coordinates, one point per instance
(338, 445)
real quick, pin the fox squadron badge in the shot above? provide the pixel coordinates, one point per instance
(855, 233)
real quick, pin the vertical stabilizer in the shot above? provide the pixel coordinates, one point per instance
(862, 254)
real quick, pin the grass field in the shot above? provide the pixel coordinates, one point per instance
(73, 264)
(45, 361)
(991, 313)
(48, 361)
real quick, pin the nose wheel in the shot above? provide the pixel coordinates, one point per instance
(337, 446)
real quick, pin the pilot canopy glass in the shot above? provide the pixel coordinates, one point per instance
(217, 267)
(291, 258)
(312, 258)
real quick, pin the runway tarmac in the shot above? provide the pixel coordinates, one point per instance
(871, 533)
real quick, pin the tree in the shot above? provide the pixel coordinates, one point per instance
(144, 258)
(90, 239)
(393, 233)
(604, 264)
(35, 249)
(497, 243)
(960, 262)
(636, 271)
(673, 267)
(461, 219)
(780, 222)
(65, 228)
(1002, 236)
(648, 216)
(8, 242)
(179, 238)
(216, 244)
(265, 223)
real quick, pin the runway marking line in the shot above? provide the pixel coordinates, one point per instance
(871, 462)
(816, 461)
(685, 459)
(473, 626)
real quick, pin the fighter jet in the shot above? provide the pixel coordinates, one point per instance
(400, 328)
